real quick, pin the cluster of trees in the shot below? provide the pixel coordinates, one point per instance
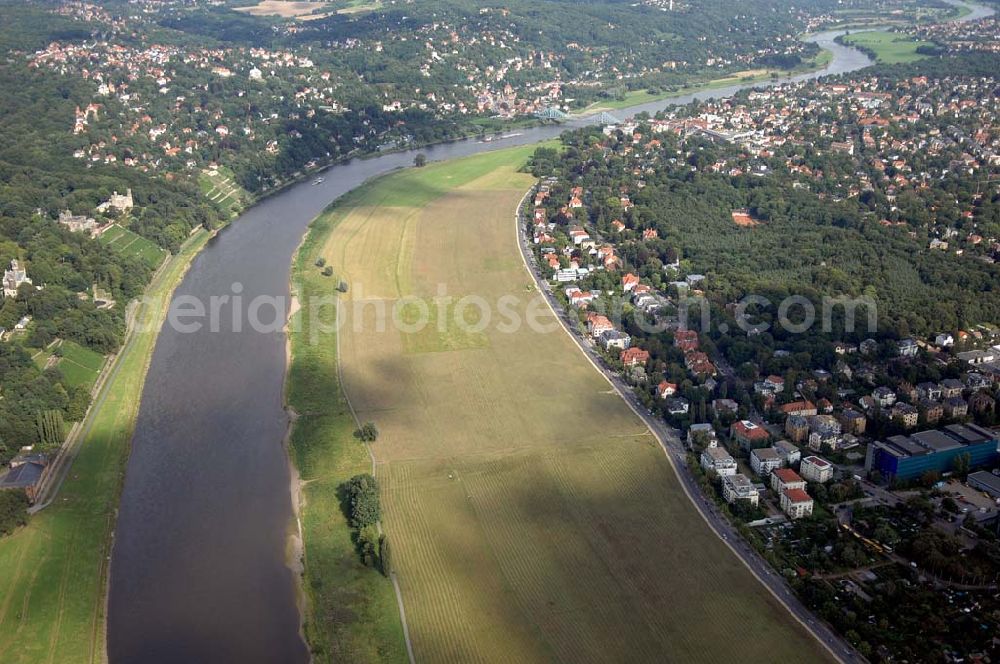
(39, 177)
(360, 500)
(13, 511)
(806, 245)
(367, 432)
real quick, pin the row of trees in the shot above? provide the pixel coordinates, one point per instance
(360, 499)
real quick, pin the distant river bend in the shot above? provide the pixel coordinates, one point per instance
(198, 572)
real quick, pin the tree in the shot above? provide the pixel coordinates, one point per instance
(13, 511)
(368, 432)
(51, 427)
(384, 556)
(420, 160)
(368, 546)
(363, 507)
(328, 271)
(962, 463)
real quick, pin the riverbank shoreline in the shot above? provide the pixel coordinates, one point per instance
(320, 431)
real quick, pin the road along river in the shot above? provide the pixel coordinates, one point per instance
(199, 568)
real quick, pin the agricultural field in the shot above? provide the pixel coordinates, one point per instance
(218, 185)
(124, 241)
(888, 47)
(531, 514)
(80, 366)
(53, 571)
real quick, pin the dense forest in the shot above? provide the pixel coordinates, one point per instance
(38, 179)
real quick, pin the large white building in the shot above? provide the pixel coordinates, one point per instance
(739, 487)
(815, 469)
(719, 460)
(786, 478)
(796, 503)
(764, 459)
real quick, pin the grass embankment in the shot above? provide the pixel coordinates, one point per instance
(636, 97)
(351, 612)
(887, 47)
(531, 514)
(53, 572)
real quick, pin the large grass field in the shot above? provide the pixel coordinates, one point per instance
(80, 366)
(124, 241)
(53, 572)
(889, 47)
(532, 515)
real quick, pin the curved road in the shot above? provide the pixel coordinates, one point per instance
(198, 568)
(669, 439)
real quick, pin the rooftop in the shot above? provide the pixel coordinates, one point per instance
(817, 461)
(787, 475)
(932, 441)
(797, 496)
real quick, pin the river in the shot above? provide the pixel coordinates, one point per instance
(198, 570)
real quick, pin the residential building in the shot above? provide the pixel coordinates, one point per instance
(980, 403)
(956, 407)
(739, 487)
(615, 339)
(796, 503)
(748, 434)
(824, 430)
(665, 389)
(910, 456)
(883, 396)
(905, 415)
(951, 387)
(678, 406)
(705, 432)
(719, 460)
(804, 408)
(815, 469)
(598, 324)
(932, 410)
(927, 390)
(790, 454)
(786, 478)
(764, 459)
(907, 347)
(853, 422)
(797, 428)
(631, 357)
(724, 406)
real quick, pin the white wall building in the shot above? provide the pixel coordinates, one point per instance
(815, 469)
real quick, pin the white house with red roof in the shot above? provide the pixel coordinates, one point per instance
(629, 281)
(666, 389)
(796, 503)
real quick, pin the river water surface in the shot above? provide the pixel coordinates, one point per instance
(198, 572)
